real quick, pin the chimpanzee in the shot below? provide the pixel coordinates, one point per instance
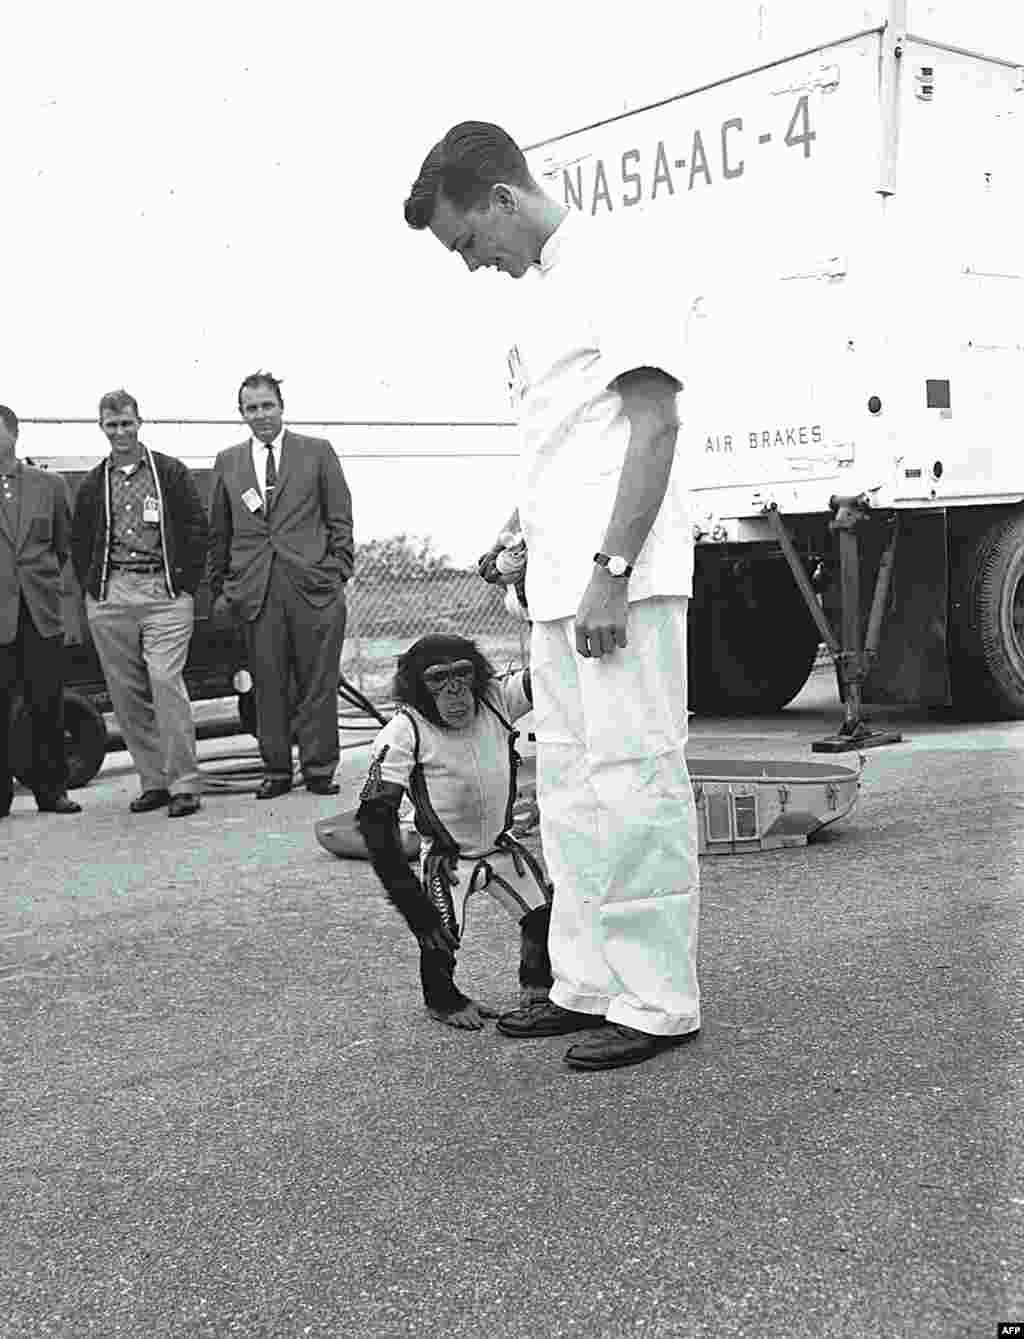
(451, 748)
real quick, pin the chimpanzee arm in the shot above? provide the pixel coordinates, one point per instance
(377, 820)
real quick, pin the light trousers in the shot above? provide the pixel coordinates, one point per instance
(142, 638)
(618, 820)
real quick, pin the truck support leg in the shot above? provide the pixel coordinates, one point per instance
(852, 659)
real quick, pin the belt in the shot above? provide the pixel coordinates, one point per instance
(142, 569)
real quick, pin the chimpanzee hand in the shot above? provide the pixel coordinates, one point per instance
(439, 940)
(486, 566)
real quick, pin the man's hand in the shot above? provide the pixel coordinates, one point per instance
(601, 617)
(221, 607)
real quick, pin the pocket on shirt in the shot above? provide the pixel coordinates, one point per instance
(40, 529)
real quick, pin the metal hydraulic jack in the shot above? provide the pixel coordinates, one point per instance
(853, 658)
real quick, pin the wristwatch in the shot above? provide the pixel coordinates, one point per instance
(615, 565)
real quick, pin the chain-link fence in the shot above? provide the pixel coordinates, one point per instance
(427, 499)
(391, 604)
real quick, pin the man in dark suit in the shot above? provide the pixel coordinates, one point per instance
(35, 539)
(281, 553)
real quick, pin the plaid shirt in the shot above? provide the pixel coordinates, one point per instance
(134, 541)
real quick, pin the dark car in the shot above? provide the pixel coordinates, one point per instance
(216, 668)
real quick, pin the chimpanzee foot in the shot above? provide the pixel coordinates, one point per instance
(469, 1018)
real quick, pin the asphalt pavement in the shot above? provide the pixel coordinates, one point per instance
(224, 1111)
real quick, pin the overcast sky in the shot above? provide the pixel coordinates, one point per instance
(197, 189)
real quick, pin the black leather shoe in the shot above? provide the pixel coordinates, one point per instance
(183, 805)
(322, 786)
(544, 1019)
(616, 1045)
(271, 787)
(149, 800)
(57, 804)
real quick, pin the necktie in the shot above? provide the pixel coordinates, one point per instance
(271, 483)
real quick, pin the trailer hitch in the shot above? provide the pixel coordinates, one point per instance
(852, 657)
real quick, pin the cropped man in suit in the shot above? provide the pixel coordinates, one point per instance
(281, 553)
(35, 539)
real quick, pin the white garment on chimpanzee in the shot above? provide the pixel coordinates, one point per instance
(467, 776)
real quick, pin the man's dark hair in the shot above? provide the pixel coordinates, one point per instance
(437, 649)
(9, 419)
(472, 157)
(118, 401)
(255, 379)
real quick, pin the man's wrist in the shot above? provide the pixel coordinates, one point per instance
(614, 564)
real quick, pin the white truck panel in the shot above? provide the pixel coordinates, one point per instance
(805, 290)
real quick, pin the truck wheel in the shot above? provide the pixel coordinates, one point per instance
(247, 713)
(85, 741)
(757, 646)
(989, 659)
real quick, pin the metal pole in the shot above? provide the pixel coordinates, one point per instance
(890, 57)
(849, 581)
(881, 596)
(802, 579)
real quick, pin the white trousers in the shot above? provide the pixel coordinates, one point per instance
(618, 820)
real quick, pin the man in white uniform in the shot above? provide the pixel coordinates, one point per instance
(603, 512)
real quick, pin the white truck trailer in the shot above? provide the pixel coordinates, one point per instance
(842, 233)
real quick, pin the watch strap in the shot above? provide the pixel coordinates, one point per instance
(604, 560)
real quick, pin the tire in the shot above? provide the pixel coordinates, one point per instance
(757, 646)
(247, 713)
(989, 655)
(85, 741)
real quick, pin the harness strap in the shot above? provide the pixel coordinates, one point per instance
(520, 854)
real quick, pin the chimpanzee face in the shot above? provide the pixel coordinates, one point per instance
(451, 686)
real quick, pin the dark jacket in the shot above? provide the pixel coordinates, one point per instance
(32, 557)
(184, 528)
(309, 526)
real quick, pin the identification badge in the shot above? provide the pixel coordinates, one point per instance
(151, 511)
(252, 499)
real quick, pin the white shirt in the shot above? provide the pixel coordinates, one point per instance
(589, 314)
(259, 459)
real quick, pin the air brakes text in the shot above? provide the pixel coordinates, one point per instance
(590, 185)
(781, 438)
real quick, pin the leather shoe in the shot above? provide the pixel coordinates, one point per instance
(183, 805)
(322, 786)
(57, 804)
(271, 787)
(544, 1019)
(149, 800)
(617, 1045)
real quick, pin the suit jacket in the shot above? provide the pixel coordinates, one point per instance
(31, 559)
(308, 529)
